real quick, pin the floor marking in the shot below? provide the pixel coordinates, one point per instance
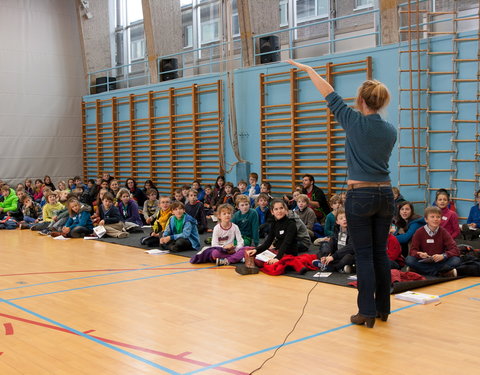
(91, 338)
(91, 276)
(110, 283)
(311, 336)
(8, 328)
(179, 357)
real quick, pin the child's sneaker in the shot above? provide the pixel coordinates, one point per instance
(316, 263)
(347, 269)
(244, 270)
(23, 226)
(44, 232)
(222, 262)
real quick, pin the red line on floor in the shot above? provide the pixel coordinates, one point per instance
(8, 328)
(178, 357)
(89, 331)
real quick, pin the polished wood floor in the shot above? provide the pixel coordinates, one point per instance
(88, 307)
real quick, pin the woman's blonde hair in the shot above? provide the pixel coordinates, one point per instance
(374, 93)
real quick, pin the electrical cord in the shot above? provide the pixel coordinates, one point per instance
(289, 333)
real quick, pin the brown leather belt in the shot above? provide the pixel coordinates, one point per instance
(368, 184)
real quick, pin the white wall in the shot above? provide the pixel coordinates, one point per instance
(41, 84)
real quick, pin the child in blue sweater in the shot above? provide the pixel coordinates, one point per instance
(181, 233)
(471, 230)
(78, 224)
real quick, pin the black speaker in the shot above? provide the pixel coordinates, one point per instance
(102, 82)
(269, 43)
(165, 66)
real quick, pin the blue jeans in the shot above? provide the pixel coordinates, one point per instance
(369, 214)
(432, 269)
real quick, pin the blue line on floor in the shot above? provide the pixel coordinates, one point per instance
(111, 283)
(308, 337)
(73, 330)
(88, 277)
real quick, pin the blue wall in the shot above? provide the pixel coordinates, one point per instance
(385, 68)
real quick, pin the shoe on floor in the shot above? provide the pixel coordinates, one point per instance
(347, 269)
(44, 232)
(208, 241)
(244, 270)
(316, 263)
(451, 273)
(123, 235)
(55, 234)
(222, 262)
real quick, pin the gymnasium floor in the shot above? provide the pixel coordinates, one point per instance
(90, 307)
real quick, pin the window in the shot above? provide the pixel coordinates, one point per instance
(361, 4)
(209, 23)
(311, 9)
(129, 32)
(283, 13)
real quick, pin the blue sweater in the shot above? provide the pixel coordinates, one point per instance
(365, 163)
(410, 230)
(80, 220)
(189, 231)
(474, 215)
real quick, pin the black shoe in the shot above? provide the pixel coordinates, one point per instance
(208, 241)
(361, 320)
(382, 316)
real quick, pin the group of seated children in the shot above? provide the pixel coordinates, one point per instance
(425, 244)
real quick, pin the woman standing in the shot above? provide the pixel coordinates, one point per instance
(370, 204)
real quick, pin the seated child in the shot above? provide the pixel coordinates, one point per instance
(339, 254)
(128, 209)
(38, 191)
(29, 187)
(10, 201)
(449, 217)
(198, 188)
(32, 212)
(265, 217)
(471, 230)
(228, 196)
(433, 251)
(224, 250)
(306, 214)
(335, 204)
(194, 208)
(78, 224)
(161, 220)
(242, 187)
(246, 219)
(110, 218)
(50, 212)
(150, 207)
(253, 188)
(181, 232)
(282, 238)
(208, 200)
(178, 196)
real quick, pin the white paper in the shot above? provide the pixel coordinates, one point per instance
(60, 238)
(100, 231)
(352, 277)
(265, 256)
(322, 274)
(90, 237)
(157, 251)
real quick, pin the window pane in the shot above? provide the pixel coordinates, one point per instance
(283, 12)
(134, 11)
(209, 23)
(363, 3)
(305, 9)
(184, 3)
(187, 25)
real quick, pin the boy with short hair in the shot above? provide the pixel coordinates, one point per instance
(110, 218)
(194, 208)
(208, 200)
(181, 232)
(246, 219)
(264, 214)
(433, 250)
(337, 254)
(150, 207)
(254, 188)
(32, 212)
(306, 214)
(178, 196)
(242, 187)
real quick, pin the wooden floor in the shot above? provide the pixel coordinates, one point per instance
(88, 307)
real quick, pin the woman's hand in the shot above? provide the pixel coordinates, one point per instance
(299, 66)
(251, 252)
(272, 261)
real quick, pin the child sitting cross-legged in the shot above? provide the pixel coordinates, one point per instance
(306, 214)
(339, 254)
(110, 218)
(128, 209)
(265, 217)
(78, 224)
(433, 250)
(246, 219)
(194, 208)
(32, 212)
(161, 220)
(224, 251)
(181, 232)
(49, 213)
(150, 207)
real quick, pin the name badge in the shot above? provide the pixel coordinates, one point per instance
(342, 239)
(430, 240)
(444, 218)
(282, 232)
